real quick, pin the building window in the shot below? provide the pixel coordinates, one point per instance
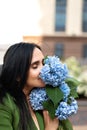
(84, 18)
(60, 15)
(59, 50)
(85, 51)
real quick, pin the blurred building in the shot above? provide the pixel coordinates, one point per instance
(62, 28)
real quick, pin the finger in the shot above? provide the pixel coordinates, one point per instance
(46, 116)
(56, 120)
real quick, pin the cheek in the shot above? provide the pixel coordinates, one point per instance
(33, 75)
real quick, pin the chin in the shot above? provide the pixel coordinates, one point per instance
(41, 85)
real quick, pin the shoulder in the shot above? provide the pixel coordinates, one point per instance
(9, 113)
(9, 102)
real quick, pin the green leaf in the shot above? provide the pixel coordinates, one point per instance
(45, 58)
(66, 124)
(48, 105)
(55, 94)
(72, 82)
(74, 93)
(60, 127)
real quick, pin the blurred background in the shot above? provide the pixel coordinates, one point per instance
(60, 28)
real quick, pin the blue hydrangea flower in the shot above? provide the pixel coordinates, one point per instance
(56, 72)
(37, 97)
(65, 110)
(61, 111)
(65, 89)
(73, 106)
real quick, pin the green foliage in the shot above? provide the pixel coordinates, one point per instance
(48, 105)
(79, 72)
(73, 83)
(82, 88)
(65, 125)
(73, 66)
(55, 94)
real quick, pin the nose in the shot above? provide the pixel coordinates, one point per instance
(41, 66)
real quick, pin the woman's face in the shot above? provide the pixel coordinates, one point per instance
(33, 79)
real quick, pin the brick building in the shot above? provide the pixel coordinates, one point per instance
(61, 28)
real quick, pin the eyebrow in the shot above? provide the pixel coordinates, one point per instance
(36, 62)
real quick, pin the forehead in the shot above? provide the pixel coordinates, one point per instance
(37, 55)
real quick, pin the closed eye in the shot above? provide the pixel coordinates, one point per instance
(35, 65)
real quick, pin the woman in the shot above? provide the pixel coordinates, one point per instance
(20, 74)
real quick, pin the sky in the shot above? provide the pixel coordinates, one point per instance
(18, 18)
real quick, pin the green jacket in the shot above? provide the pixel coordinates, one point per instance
(9, 115)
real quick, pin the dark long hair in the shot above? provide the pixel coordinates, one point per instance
(16, 63)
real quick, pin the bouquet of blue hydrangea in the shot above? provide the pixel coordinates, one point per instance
(59, 95)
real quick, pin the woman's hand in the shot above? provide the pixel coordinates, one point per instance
(50, 124)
